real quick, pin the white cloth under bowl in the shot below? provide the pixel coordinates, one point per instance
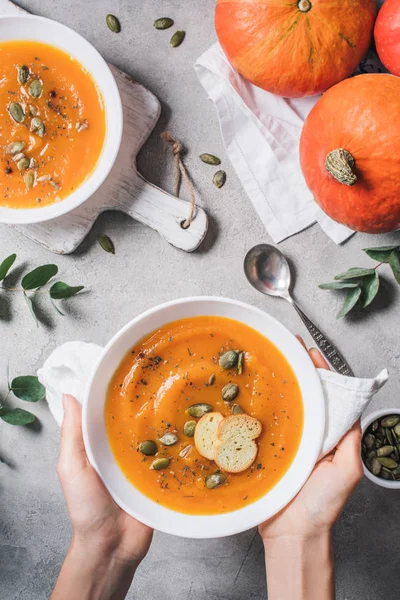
(68, 369)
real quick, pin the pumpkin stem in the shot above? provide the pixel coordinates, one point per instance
(304, 5)
(339, 163)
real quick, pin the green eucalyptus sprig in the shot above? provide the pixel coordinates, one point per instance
(362, 284)
(34, 281)
(27, 388)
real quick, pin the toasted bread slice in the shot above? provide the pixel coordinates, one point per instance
(205, 434)
(235, 449)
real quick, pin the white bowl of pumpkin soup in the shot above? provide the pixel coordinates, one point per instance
(61, 119)
(212, 366)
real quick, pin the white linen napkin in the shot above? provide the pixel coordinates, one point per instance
(68, 368)
(261, 133)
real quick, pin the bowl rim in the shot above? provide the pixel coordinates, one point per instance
(112, 141)
(365, 423)
(236, 525)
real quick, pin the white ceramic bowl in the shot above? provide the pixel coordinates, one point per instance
(365, 423)
(159, 517)
(29, 27)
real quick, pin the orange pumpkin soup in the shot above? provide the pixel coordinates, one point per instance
(52, 124)
(178, 366)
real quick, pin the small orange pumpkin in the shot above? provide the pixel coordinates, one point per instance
(387, 35)
(295, 48)
(350, 153)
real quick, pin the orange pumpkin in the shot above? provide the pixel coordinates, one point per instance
(295, 48)
(387, 35)
(350, 153)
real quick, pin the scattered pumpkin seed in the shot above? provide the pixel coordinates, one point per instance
(385, 451)
(237, 410)
(230, 392)
(23, 164)
(37, 126)
(210, 159)
(240, 363)
(387, 462)
(17, 157)
(185, 451)
(177, 38)
(169, 439)
(390, 421)
(106, 243)
(29, 179)
(23, 74)
(159, 464)
(16, 112)
(214, 480)
(113, 23)
(189, 427)
(163, 23)
(228, 360)
(211, 381)
(199, 410)
(219, 179)
(15, 148)
(36, 88)
(148, 447)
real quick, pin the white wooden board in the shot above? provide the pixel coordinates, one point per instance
(125, 189)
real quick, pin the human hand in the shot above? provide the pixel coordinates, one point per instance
(107, 544)
(320, 502)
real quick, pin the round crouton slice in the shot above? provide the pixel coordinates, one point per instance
(205, 434)
(235, 449)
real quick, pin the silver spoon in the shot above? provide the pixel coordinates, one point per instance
(268, 272)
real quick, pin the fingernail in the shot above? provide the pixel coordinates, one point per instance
(65, 400)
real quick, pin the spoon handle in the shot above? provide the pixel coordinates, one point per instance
(328, 350)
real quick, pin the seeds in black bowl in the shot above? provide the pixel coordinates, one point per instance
(380, 448)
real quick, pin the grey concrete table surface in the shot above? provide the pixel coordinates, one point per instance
(34, 526)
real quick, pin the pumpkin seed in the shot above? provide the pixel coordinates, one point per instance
(199, 410)
(169, 439)
(373, 453)
(384, 451)
(229, 359)
(385, 474)
(159, 464)
(237, 410)
(16, 112)
(23, 74)
(397, 430)
(389, 436)
(36, 88)
(113, 23)
(37, 126)
(390, 421)
(374, 426)
(148, 447)
(210, 159)
(369, 441)
(396, 471)
(230, 392)
(375, 467)
(106, 243)
(163, 23)
(17, 157)
(240, 363)
(189, 427)
(215, 480)
(23, 164)
(185, 451)
(29, 179)
(43, 178)
(15, 148)
(211, 381)
(387, 462)
(177, 38)
(219, 179)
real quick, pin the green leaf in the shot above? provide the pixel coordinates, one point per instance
(370, 288)
(380, 254)
(60, 290)
(39, 277)
(6, 265)
(30, 306)
(394, 262)
(338, 285)
(355, 273)
(350, 302)
(28, 388)
(17, 416)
